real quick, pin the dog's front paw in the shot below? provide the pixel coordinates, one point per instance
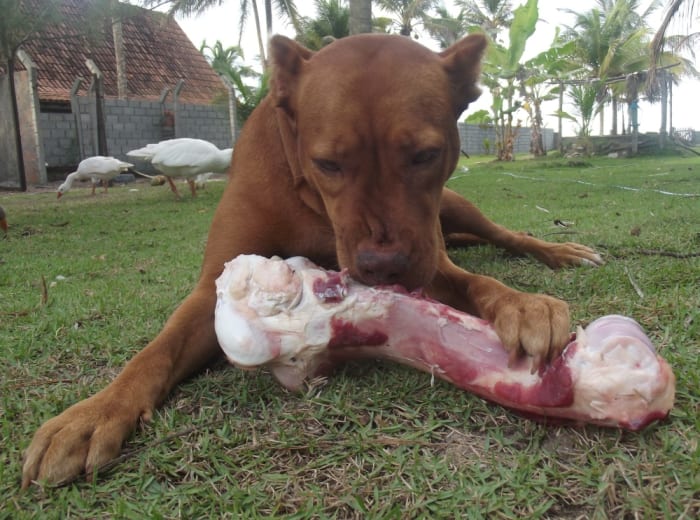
(556, 255)
(80, 440)
(533, 324)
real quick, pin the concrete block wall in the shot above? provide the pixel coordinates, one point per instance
(60, 141)
(472, 139)
(129, 124)
(133, 123)
(208, 122)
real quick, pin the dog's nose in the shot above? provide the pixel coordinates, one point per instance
(381, 267)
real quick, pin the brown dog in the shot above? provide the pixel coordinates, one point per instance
(344, 162)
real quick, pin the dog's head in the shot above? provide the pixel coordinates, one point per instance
(369, 129)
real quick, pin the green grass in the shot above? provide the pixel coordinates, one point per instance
(377, 440)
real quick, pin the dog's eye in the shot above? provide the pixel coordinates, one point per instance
(326, 166)
(425, 156)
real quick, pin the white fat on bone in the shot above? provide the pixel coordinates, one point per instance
(299, 320)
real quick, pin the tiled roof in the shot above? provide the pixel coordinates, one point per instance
(158, 54)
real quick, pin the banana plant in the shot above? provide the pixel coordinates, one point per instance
(501, 68)
(541, 79)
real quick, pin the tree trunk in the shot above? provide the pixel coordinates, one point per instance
(561, 109)
(268, 17)
(614, 116)
(670, 106)
(536, 141)
(360, 16)
(261, 45)
(119, 57)
(663, 80)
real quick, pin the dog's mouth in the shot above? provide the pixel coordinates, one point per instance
(382, 252)
(388, 268)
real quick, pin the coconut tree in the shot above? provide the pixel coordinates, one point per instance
(331, 22)
(609, 39)
(683, 10)
(445, 28)
(584, 98)
(228, 62)
(491, 15)
(659, 80)
(407, 14)
(285, 8)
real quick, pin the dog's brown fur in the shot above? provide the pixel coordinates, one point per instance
(345, 163)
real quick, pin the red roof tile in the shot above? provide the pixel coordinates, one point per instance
(158, 54)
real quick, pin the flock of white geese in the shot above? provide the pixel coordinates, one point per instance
(182, 158)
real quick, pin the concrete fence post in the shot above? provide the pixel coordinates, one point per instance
(75, 109)
(232, 108)
(176, 107)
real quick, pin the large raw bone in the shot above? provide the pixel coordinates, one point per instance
(300, 320)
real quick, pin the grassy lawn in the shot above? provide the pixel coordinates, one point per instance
(377, 440)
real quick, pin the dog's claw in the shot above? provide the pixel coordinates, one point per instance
(594, 260)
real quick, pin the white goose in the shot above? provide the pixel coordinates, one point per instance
(184, 157)
(99, 169)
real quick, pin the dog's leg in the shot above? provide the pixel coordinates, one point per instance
(463, 224)
(91, 432)
(535, 324)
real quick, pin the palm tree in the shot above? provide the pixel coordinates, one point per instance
(228, 62)
(609, 38)
(491, 15)
(584, 98)
(684, 9)
(331, 22)
(407, 13)
(286, 8)
(445, 28)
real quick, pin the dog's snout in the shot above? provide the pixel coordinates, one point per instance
(381, 267)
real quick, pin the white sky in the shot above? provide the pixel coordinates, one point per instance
(221, 23)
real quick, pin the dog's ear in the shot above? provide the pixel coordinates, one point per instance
(288, 59)
(462, 61)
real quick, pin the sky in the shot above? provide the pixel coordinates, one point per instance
(221, 23)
